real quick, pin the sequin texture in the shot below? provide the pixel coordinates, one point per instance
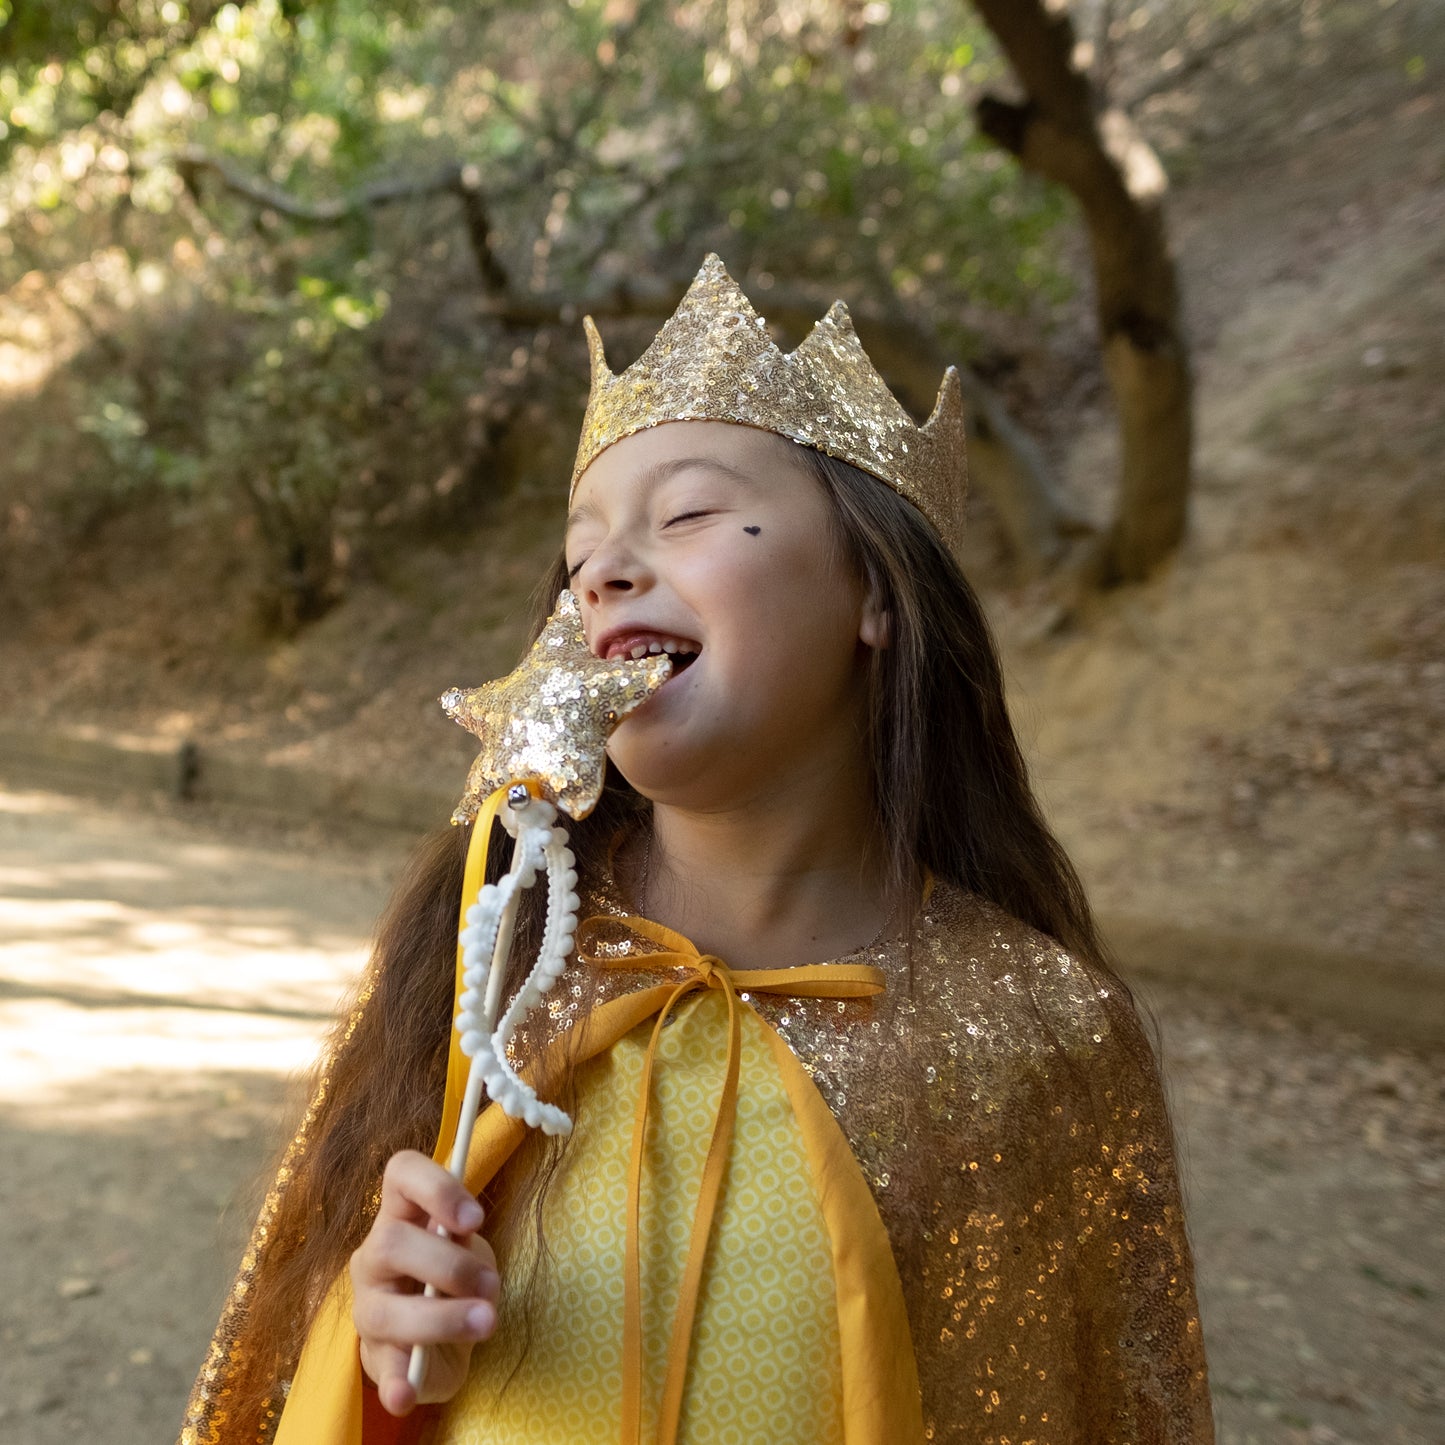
(714, 361)
(208, 1418)
(1005, 1107)
(550, 718)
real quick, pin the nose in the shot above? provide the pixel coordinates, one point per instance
(613, 570)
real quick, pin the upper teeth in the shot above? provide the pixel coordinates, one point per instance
(643, 648)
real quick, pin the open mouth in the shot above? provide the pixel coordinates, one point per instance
(682, 651)
(682, 657)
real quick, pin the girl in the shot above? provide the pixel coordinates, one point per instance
(870, 1144)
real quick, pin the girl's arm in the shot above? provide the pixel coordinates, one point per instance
(1139, 1342)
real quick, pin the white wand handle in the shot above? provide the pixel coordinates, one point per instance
(538, 844)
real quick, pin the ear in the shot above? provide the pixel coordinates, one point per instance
(875, 626)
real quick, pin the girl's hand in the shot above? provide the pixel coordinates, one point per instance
(401, 1250)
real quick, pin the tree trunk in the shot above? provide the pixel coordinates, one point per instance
(1060, 132)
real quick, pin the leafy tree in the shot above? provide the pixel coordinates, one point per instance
(328, 259)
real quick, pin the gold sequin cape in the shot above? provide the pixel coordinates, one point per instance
(1003, 1105)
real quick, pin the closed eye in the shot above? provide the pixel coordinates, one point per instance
(680, 517)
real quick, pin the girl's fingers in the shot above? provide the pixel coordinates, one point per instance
(485, 1255)
(415, 1187)
(397, 1251)
(397, 1395)
(404, 1320)
(403, 1249)
(387, 1367)
(384, 1364)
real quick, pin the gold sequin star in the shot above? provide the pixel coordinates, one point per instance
(550, 719)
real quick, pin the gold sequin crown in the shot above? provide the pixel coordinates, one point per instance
(714, 361)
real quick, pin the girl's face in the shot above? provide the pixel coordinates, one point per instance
(713, 542)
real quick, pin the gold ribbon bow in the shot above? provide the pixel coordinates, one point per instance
(704, 970)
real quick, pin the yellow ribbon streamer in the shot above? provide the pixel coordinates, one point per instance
(705, 970)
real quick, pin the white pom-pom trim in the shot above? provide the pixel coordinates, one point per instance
(540, 845)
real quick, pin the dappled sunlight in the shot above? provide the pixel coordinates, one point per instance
(107, 910)
(63, 1064)
(202, 955)
(111, 870)
(132, 861)
(33, 804)
(137, 957)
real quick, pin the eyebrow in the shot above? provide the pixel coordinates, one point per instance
(660, 472)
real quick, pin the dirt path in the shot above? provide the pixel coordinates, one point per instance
(161, 977)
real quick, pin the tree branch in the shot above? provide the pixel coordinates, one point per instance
(1034, 513)
(191, 162)
(1062, 131)
(458, 178)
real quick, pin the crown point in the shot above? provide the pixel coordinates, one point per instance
(714, 359)
(601, 372)
(712, 272)
(839, 319)
(833, 328)
(950, 401)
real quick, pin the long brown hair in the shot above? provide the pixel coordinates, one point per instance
(952, 795)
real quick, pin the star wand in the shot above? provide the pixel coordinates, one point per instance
(543, 730)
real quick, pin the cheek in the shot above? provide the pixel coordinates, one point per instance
(783, 559)
(723, 584)
(787, 611)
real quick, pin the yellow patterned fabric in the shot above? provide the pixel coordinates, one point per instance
(765, 1357)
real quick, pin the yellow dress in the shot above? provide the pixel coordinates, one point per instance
(765, 1350)
(993, 1164)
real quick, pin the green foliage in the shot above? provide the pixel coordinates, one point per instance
(290, 365)
(64, 63)
(130, 461)
(291, 443)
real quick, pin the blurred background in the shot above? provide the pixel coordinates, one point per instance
(291, 375)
